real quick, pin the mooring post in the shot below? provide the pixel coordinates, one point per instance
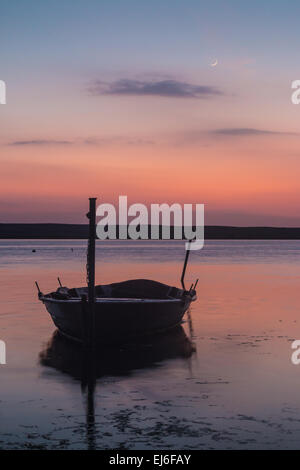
(91, 271)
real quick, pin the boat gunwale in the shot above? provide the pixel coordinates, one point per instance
(112, 300)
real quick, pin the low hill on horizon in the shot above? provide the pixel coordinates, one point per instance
(80, 231)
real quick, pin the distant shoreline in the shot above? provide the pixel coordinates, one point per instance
(80, 232)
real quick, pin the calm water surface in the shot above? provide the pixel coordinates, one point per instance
(223, 381)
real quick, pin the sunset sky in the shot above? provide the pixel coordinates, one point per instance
(118, 97)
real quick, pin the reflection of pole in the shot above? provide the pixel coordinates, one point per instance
(193, 343)
(190, 323)
(88, 384)
(91, 272)
(90, 415)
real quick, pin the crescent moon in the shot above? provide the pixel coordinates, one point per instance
(213, 64)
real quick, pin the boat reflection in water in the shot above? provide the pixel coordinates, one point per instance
(71, 358)
(86, 364)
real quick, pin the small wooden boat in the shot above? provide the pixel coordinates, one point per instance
(115, 312)
(122, 310)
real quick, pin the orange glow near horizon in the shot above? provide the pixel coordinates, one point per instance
(226, 175)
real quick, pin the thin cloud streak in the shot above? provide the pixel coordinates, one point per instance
(96, 141)
(39, 142)
(247, 132)
(206, 137)
(185, 138)
(162, 88)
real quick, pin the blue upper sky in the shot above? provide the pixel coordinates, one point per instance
(137, 34)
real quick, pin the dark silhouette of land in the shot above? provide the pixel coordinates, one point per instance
(80, 231)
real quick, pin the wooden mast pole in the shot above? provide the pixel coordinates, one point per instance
(91, 271)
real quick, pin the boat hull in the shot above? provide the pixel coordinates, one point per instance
(117, 319)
